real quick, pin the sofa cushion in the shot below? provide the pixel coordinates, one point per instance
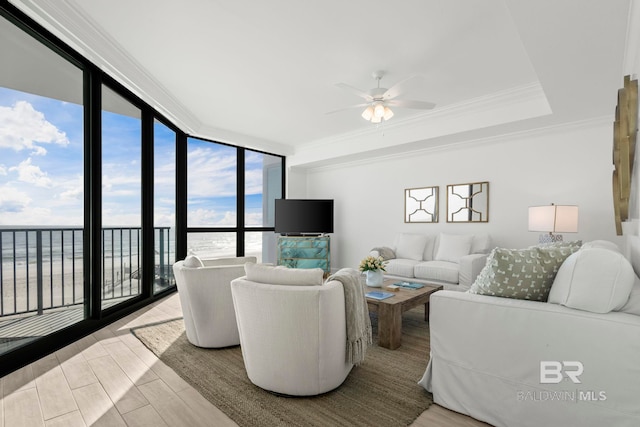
(192, 261)
(521, 273)
(452, 247)
(429, 247)
(282, 275)
(593, 279)
(410, 246)
(633, 303)
(437, 270)
(401, 267)
(481, 244)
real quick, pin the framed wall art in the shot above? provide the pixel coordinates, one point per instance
(421, 204)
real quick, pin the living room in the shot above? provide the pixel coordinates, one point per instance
(525, 100)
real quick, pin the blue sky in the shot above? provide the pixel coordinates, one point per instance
(41, 169)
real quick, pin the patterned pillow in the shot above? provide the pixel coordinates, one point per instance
(521, 273)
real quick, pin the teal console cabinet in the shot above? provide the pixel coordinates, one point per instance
(304, 252)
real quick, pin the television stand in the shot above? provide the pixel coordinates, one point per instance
(304, 251)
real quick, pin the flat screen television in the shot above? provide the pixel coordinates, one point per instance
(304, 216)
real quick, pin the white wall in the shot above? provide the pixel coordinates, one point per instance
(567, 165)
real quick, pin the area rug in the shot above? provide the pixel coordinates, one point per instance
(382, 391)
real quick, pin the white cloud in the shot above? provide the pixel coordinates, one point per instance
(211, 174)
(211, 218)
(253, 218)
(12, 200)
(74, 191)
(3, 170)
(253, 181)
(23, 127)
(31, 174)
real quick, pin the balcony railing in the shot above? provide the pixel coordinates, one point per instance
(41, 268)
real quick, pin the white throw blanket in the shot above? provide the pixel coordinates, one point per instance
(357, 314)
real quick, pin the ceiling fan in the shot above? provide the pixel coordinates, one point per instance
(379, 99)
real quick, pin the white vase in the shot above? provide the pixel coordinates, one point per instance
(375, 278)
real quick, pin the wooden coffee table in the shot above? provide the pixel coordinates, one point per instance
(390, 310)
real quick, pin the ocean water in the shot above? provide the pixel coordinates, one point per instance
(61, 264)
(60, 245)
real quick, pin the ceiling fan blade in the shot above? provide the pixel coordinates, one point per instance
(399, 88)
(408, 103)
(347, 108)
(355, 90)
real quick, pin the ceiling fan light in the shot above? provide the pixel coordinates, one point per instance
(367, 114)
(378, 110)
(387, 113)
(376, 119)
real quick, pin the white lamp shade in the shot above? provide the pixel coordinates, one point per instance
(387, 113)
(554, 218)
(378, 110)
(367, 113)
(566, 219)
(541, 218)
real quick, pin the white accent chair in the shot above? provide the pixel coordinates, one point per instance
(204, 287)
(293, 337)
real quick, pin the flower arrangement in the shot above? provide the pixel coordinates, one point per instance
(372, 263)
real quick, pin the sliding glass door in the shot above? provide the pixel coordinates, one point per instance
(41, 190)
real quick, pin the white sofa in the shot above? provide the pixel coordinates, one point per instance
(292, 332)
(204, 288)
(513, 362)
(452, 260)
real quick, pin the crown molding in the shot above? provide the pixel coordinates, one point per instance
(502, 138)
(242, 140)
(68, 22)
(508, 97)
(511, 105)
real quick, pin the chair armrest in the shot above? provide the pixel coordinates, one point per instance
(470, 267)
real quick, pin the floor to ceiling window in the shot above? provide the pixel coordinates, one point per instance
(164, 205)
(121, 198)
(263, 184)
(211, 199)
(41, 190)
(221, 181)
(100, 195)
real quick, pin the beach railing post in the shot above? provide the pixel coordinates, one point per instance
(39, 269)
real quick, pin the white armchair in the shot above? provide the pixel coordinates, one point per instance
(204, 288)
(293, 337)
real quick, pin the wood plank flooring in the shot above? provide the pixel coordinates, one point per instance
(110, 379)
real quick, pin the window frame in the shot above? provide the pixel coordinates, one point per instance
(95, 316)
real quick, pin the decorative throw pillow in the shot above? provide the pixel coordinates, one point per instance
(593, 279)
(521, 273)
(561, 244)
(282, 275)
(601, 244)
(192, 261)
(481, 243)
(410, 246)
(427, 254)
(452, 247)
(385, 252)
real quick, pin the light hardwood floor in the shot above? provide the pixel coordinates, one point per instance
(110, 379)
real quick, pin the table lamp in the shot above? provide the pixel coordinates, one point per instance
(553, 219)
